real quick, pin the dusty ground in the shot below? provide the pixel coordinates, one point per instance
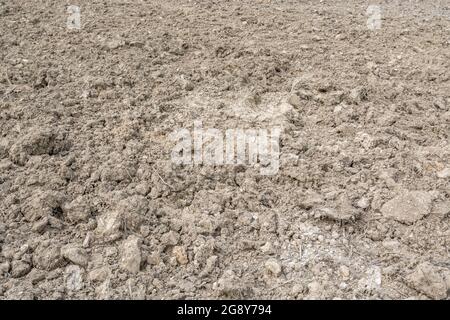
(91, 205)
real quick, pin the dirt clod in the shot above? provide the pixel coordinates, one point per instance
(428, 280)
(19, 269)
(48, 257)
(408, 207)
(130, 255)
(75, 255)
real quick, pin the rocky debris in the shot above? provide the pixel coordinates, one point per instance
(104, 290)
(19, 269)
(115, 172)
(54, 274)
(408, 207)
(40, 225)
(110, 251)
(310, 87)
(36, 276)
(130, 255)
(154, 258)
(297, 290)
(129, 213)
(43, 204)
(342, 210)
(8, 252)
(113, 44)
(180, 254)
(304, 84)
(100, 274)
(442, 208)
(109, 226)
(4, 147)
(39, 141)
(441, 104)
(371, 281)
(230, 286)
(2, 232)
(187, 85)
(170, 238)
(315, 290)
(54, 222)
(358, 95)
(203, 249)
(210, 265)
(76, 255)
(4, 267)
(273, 267)
(48, 257)
(144, 231)
(23, 253)
(24, 292)
(427, 279)
(267, 248)
(134, 210)
(78, 210)
(310, 199)
(88, 239)
(295, 101)
(143, 188)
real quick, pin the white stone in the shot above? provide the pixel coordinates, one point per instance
(273, 267)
